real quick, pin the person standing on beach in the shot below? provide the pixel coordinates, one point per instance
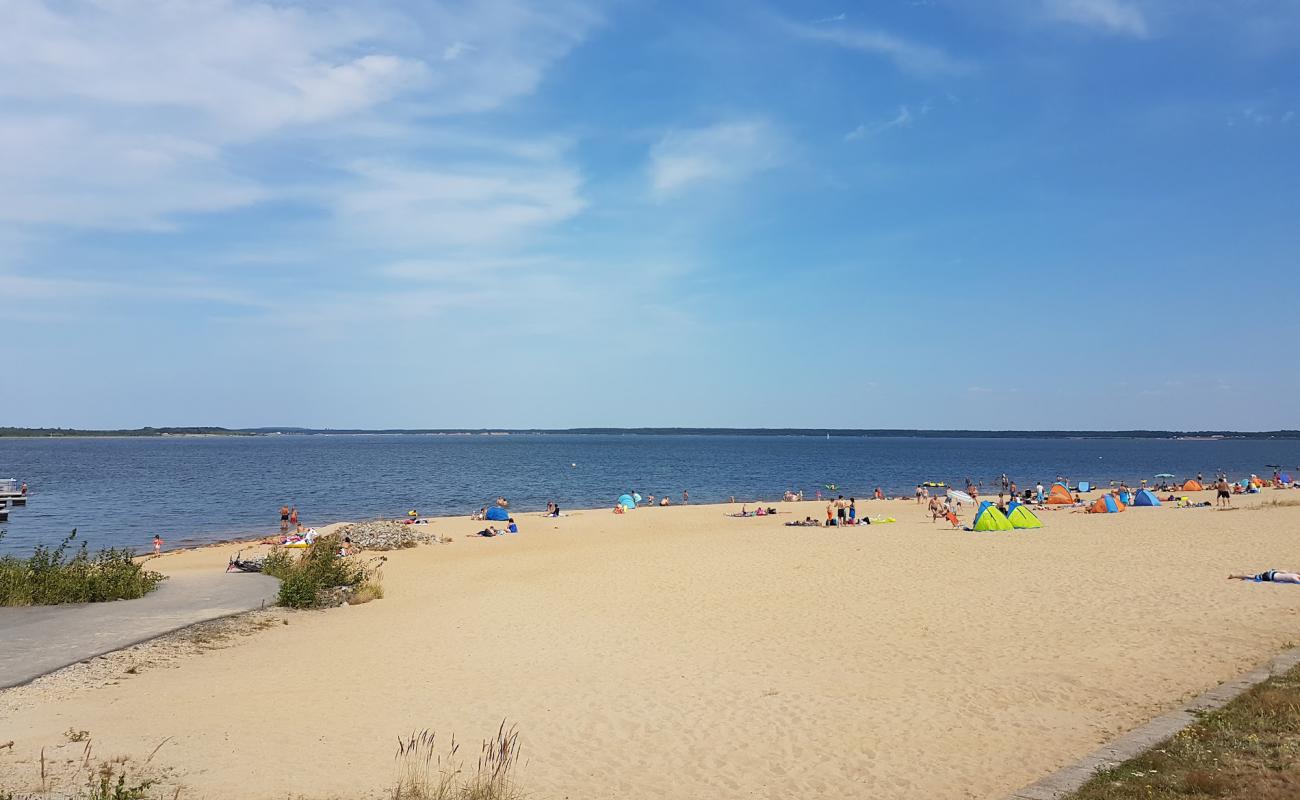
(841, 510)
(1038, 490)
(1224, 493)
(157, 545)
(853, 511)
(284, 518)
(686, 497)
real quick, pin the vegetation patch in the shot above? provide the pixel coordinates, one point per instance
(51, 576)
(1247, 750)
(321, 576)
(427, 771)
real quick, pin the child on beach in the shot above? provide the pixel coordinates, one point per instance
(157, 544)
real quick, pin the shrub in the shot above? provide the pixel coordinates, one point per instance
(49, 576)
(309, 580)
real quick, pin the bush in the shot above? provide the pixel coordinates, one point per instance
(309, 580)
(49, 576)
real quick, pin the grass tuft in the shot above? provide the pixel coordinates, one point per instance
(426, 773)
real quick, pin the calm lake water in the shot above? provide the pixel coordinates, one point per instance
(119, 492)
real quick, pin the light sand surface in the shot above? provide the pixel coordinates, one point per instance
(682, 653)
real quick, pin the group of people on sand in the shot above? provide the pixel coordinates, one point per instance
(844, 512)
(944, 508)
(492, 530)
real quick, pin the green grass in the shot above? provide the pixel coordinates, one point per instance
(51, 576)
(309, 580)
(1247, 750)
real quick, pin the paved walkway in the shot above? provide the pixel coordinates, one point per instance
(41, 639)
(1136, 742)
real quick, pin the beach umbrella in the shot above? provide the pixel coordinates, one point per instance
(960, 497)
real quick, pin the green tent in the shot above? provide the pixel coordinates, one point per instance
(988, 518)
(1022, 517)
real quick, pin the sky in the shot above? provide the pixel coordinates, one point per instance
(899, 213)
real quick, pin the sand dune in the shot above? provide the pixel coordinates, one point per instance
(682, 653)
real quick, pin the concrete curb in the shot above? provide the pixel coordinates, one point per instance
(1139, 740)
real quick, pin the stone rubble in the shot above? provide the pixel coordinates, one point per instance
(388, 535)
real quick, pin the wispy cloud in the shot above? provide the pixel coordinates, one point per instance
(405, 204)
(903, 119)
(840, 17)
(126, 115)
(1121, 17)
(726, 151)
(910, 56)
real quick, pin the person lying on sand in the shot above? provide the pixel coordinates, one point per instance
(489, 531)
(1270, 576)
(806, 522)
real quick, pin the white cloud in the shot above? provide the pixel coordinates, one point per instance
(128, 114)
(457, 49)
(1112, 16)
(903, 119)
(726, 151)
(907, 55)
(403, 204)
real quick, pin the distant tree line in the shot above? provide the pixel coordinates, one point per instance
(836, 432)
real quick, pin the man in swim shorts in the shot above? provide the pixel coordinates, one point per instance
(1224, 491)
(1269, 576)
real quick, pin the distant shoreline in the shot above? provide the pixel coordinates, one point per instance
(193, 432)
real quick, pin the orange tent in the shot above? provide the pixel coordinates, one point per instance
(1193, 486)
(1060, 496)
(1107, 504)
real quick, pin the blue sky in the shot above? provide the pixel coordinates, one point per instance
(900, 213)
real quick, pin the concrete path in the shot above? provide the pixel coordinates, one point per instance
(1136, 742)
(40, 639)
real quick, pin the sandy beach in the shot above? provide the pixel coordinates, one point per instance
(680, 652)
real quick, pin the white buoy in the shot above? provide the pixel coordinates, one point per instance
(573, 465)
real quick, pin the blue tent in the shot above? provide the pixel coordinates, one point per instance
(626, 501)
(1145, 498)
(497, 514)
(1285, 477)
